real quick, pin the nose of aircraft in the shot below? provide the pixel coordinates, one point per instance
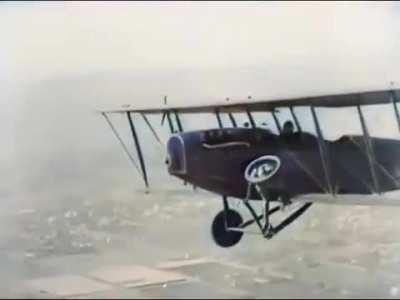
(176, 157)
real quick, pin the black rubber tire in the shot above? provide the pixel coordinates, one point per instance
(221, 236)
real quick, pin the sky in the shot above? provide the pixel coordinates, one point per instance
(41, 40)
(59, 61)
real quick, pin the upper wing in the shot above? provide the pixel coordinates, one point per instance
(338, 100)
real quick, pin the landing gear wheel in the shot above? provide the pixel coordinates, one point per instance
(223, 237)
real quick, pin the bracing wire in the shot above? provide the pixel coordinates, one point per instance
(124, 147)
(152, 129)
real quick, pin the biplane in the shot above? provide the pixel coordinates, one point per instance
(280, 169)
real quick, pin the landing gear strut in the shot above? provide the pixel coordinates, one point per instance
(228, 226)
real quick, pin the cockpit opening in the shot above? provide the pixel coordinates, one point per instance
(234, 137)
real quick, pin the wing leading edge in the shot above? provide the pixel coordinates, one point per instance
(231, 106)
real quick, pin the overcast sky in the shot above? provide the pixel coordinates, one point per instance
(60, 60)
(43, 40)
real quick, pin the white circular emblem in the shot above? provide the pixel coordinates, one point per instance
(262, 168)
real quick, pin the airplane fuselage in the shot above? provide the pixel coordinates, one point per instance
(216, 160)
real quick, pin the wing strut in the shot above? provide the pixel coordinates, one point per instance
(396, 110)
(178, 121)
(234, 124)
(370, 150)
(171, 125)
(138, 149)
(253, 124)
(218, 115)
(224, 198)
(124, 147)
(295, 119)
(276, 120)
(323, 151)
(180, 129)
